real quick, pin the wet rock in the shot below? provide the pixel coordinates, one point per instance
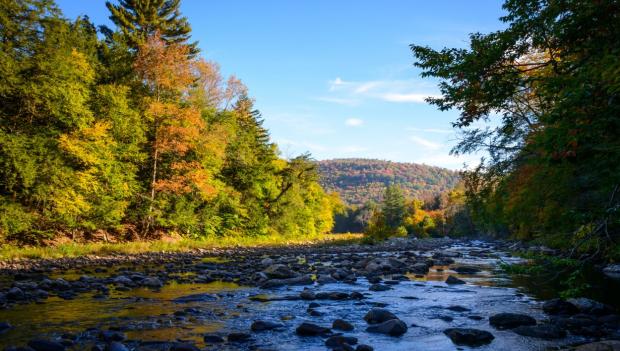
(585, 305)
(46, 345)
(338, 341)
(419, 268)
(122, 280)
(111, 335)
(541, 331)
(607, 345)
(392, 327)
(279, 271)
(466, 270)
(310, 329)
(15, 294)
(379, 287)
(325, 279)
(195, 298)
(457, 308)
(213, 338)
(378, 315)
(559, 307)
(184, 347)
(469, 337)
(341, 324)
(4, 326)
(307, 294)
(116, 346)
(612, 271)
(301, 280)
(510, 320)
(152, 282)
(454, 280)
(238, 337)
(364, 347)
(265, 325)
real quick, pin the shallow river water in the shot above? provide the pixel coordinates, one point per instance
(423, 303)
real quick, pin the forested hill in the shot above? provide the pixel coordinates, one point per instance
(360, 180)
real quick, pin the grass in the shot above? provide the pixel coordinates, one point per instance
(10, 252)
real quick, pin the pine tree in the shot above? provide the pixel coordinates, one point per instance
(140, 19)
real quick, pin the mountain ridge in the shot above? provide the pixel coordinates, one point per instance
(359, 180)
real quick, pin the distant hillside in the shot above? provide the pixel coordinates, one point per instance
(361, 180)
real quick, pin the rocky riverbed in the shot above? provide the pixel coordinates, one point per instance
(436, 294)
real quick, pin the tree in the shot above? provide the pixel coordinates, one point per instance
(139, 20)
(549, 81)
(393, 206)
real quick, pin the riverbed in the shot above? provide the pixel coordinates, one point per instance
(219, 299)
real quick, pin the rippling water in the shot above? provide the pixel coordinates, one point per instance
(421, 302)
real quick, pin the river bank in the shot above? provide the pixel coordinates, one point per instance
(432, 294)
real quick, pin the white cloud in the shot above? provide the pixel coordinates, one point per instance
(427, 144)
(401, 91)
(302, 122)
(339, 101)
(307, 146)
(431, 130)
(354, 122)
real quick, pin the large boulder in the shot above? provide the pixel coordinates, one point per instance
(559, 307)
(469, 337)
(607, 345)
(46, 345)
(612, 271)
(510, 320)
(541, 331)
(378, 315)
(310, 329)
(392, 327)
(589, 306)
(279, 271)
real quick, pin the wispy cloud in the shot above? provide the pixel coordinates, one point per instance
(431, 130)
(354, 122)
(425, 143)
(307, 146)
(339, 101)
(400, 91)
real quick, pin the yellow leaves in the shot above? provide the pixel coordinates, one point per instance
(81, 66)
(89, 145)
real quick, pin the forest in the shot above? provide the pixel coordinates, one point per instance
(359, 181)
(540, 100)
(128, 133)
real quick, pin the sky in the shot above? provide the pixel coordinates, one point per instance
(335, 77)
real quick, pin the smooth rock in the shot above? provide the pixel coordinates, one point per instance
(338, 340)
(310, 329)
(392, 327)
(559, 307)
(378, 315)
(341, 324)
(469, 337)
(238, 337)
(541, 331)
(279, 271)
(454, 280)
(607, 345)
(510, 320)
(46, 345)
(265, 325)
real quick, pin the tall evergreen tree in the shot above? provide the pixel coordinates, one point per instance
(140, 19)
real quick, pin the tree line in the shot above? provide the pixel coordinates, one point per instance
(541, 99)
(129, 132)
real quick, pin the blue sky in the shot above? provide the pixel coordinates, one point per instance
(335, 78)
